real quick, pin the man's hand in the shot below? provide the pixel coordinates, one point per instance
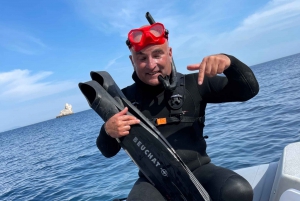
(120, 124)
(210, 66)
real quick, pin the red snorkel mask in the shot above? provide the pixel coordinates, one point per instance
(154, 34)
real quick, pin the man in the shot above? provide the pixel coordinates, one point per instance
(151, 58)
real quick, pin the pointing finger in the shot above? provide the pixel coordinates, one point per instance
(201, 72)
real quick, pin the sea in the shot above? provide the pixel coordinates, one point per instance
(58, 159)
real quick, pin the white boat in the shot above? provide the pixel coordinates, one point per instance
(278, 181)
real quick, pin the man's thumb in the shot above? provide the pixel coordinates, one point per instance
(124, 111)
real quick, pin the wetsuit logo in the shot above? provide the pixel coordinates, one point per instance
(148, 154)
(164, 172)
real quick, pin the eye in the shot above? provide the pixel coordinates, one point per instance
(143, 58)
(156, 56)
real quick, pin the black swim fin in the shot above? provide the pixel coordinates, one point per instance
(147, 149)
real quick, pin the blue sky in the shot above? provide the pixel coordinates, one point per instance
(48, 47)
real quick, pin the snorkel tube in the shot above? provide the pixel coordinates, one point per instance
(169, 82)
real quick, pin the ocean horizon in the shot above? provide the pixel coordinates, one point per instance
(57, 159)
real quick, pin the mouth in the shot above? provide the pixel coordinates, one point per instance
(154, 73)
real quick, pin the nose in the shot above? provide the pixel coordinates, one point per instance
(152, 63)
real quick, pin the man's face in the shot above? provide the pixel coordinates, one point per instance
(152, 61)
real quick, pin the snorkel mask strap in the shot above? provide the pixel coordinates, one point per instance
(169, 82)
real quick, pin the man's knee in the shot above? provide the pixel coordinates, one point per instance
(236, 188)
(144, 191)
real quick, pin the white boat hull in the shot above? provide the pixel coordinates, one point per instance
(276, 181)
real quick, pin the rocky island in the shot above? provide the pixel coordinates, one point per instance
(66, 111)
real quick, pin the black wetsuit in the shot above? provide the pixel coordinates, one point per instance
(222, 184)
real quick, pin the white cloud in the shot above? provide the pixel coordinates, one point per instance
(119, 16)
(276, 16)
(20, 41)
(198, 29)
(20, 85)
(112, 62)
(272, 26)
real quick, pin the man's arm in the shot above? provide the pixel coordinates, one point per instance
(239, 84)
(106, 144)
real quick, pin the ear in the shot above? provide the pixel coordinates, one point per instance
(131, 59)
(170, 53)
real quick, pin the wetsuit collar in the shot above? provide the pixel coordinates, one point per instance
(150, 89)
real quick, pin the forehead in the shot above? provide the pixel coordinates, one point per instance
(151, 49)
